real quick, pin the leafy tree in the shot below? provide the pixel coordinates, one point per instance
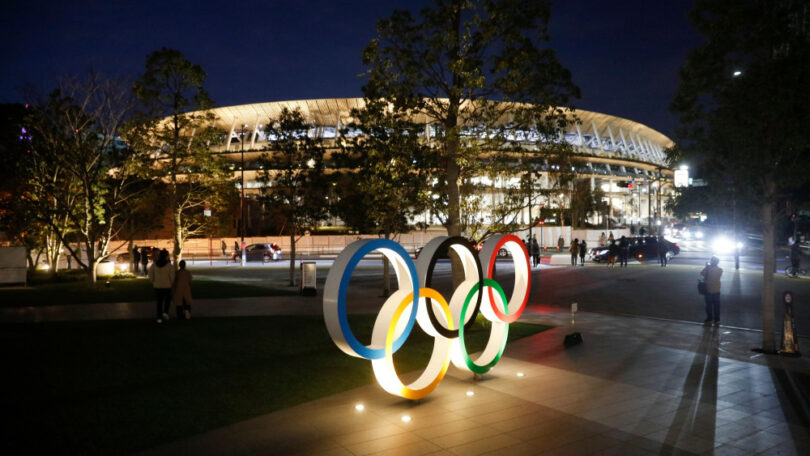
(80, 175)
(477, 70)
(586, 202)
(19, 218)
(390, 172)
(744, 106)
(175, 126)
(294, 185)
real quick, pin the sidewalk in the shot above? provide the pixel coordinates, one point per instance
(636, 386)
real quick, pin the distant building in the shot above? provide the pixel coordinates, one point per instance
(624, 158)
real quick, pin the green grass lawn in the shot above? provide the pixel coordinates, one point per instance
(119, 386)
(63, 291)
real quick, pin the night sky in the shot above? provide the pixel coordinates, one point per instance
(624, 55)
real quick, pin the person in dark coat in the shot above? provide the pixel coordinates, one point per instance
(795, 257)
(711, 275)
(624, 251)
(161, 274)
(662, 252)
(144, 259)
(583, 249)
(136, 259)
(613, 252)
(574, 249)
(535, 251)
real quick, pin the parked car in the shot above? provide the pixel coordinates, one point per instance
(260, 252)
(640, 248)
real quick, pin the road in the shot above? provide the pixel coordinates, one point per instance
(642, 289)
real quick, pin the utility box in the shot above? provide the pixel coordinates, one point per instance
(309, 281)
(12, 265)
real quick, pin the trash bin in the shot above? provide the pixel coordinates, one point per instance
(308, 283)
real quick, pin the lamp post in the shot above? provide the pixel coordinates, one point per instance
(242, 131)
(529, 243)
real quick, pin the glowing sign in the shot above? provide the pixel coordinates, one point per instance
(681, 177)
(413, 303)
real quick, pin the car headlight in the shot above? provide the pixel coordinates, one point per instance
(698, 234)
(723, 245)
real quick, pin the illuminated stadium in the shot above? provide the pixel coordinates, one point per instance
(625, 159)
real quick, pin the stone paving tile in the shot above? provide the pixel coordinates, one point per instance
(494, 443)
(725, 450)
(417, 448)
(473, 434)
(760, 441)
(617, 394)
(788, 449)
(383, 444)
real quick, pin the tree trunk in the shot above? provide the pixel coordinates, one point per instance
(177, 251)
(92, 262)
(53, 251)
(92, 274)
(292, 258)
(768, 267)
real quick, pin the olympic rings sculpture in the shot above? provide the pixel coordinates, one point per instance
(445, 321)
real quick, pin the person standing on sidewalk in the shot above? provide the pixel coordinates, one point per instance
(795, 256)
(602, 239)
(613, 252)
(161, 274)
(144, 259)
(583, 249)
(662, 252)
(574, 249)
(560, 244)
(535, 252)
(624, 252)
(181, 292)
(711, 275)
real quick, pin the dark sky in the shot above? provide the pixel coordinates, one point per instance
(624, 55)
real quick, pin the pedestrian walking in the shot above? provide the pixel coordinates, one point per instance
(662, 252)
(583, 249)
(624, 251)
(236, 248)
(795, 256)
(144, 259)
(224, 247)
(574, 249)
(613, 252)
(181, 292)
(161, 274)
(611, 238)
(602, 239)
(535, 251)
(560, 244)
(711, 276)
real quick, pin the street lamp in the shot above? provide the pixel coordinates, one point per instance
(242, 131)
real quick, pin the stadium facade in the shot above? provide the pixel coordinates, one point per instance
(624, 158)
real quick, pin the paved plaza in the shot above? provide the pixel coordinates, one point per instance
(637, 385)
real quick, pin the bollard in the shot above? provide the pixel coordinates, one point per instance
(574, 338)
(790, 343)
